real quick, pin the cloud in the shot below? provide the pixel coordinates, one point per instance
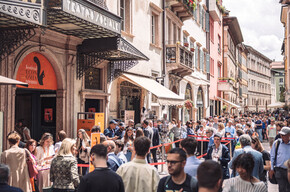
(260, 24)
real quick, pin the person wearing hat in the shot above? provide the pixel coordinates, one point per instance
(220, 153)
(120, 131)
(282, 146)
(110, 131)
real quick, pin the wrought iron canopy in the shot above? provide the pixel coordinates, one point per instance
(112, 49)
(82, 18)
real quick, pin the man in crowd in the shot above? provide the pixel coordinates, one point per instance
(215, 122)
(189, 146)
(113, 161)
(148, 132)
(4, 176)
(178, 180)
(230, 129)
(271, 132)
(120, 131)
(130, 124)
(137, 175)
(119, 151)
(209, 175)
(259, 128)
(154, 142)
(280, 153)
(110, 131)
(102, 178)
(245, 141)
(209, 133)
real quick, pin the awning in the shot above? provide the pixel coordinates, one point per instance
(276, 105)
(8, 81)
(164, 95)
(230, 103)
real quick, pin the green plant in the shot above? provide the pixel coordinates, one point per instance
(224, 107)
(188, 104)
(192, 4)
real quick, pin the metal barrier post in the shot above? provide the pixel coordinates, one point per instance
(162, 157)
(231, 149)
(201, 145)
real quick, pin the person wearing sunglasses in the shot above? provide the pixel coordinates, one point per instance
(178, 180)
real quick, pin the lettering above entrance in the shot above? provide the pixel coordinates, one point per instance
(37, 71)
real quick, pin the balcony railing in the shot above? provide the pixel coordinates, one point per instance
(179, 58)
(181, 8)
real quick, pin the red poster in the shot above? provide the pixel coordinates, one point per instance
(92, 109)
(48, 115)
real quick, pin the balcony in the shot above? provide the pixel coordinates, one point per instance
(225, 85)
(179, 60)
(214, 10)
(181, 8)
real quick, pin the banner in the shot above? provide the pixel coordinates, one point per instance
(129, 115)
(95, 139)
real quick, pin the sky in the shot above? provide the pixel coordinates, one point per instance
(260, 24)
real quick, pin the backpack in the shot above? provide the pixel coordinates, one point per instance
(193, 183)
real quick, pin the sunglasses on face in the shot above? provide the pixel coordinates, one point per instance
(172, 162)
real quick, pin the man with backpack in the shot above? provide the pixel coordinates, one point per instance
(178, 180)
(280, 153)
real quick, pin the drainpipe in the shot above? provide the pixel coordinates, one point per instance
(163, 42)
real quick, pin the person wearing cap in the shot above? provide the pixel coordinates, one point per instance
(120, 131)
(283, 154)
(220, 153)
(110, 131)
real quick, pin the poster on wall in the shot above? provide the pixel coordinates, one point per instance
(92, 109)
(37, 71)
(48, 115)
(95, 139)
(129, 114)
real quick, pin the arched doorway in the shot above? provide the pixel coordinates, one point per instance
(130, 99)
(36, 104)
(188, 96)
(199, 103)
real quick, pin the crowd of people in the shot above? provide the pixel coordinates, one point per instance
(222, 153)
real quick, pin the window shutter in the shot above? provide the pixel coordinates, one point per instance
(200, 14)
(196, 56)
(207, 22)
(207, 63)
(201, 60)
(194, 12)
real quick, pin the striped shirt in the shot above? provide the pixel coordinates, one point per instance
(236, 184)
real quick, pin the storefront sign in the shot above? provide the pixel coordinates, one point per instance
(91, 14)
(28, 11)
(129, 115)
(37, 71)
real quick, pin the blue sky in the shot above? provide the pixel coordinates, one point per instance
(260, 24)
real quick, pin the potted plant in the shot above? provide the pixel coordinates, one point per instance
(224, 108)
(186, 44)
(192, 49)
(188, 104)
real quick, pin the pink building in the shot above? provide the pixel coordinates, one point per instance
(216, 27)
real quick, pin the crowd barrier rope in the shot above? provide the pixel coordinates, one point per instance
(225, 140)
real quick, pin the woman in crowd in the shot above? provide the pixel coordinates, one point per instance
(221, 129)
(220, 153)
(83, 149)
(61, 135)
(31, 147)
(16, 158)
(128, 140)
(200, 132)
(244, 182)
(44, 154)
(256, 144)
(64, 170)
(189, 128)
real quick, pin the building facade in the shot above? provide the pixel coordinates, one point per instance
(259, 75)
(277, 67)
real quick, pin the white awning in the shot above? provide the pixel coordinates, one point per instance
(8, 81)
(276, 105)
(164, 95)
(230, 103)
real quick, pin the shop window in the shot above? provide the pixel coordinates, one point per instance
(93, 79)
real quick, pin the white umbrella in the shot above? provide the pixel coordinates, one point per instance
(8, 81)
(276, 105)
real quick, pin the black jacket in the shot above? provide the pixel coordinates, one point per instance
(224, 159)
(155, 139)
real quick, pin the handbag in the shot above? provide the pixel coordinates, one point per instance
(273, 179)
(31, 168)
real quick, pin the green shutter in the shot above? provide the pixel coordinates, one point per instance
(196, 56)
(201, 60)
(200, 14)
(207, 63)
(207, 22)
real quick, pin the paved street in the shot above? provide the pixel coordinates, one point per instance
(271, 187)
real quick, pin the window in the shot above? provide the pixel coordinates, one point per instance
(125, 14)
(219, 71)
(198, 58)
(211, 67)
(153, 29)
(219, 44)
(281, 80)
(211, 23)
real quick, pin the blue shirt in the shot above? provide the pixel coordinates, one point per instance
(283, 154)
(230, 130)
(113, 161)
(258, 126)
(109, 132)
(258, 159)
(189, 131)
(191, 166)
(210, 143)
(119, 133)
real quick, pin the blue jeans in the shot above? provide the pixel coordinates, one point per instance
(260, 133)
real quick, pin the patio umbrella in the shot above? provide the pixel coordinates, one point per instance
(8, 81)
